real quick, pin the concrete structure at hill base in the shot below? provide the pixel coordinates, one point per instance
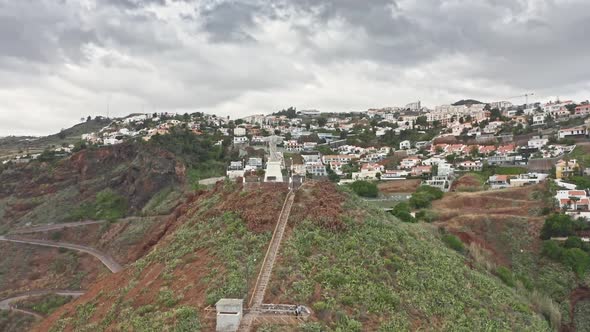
(229, 314)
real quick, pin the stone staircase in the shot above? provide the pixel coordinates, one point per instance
(267, 265)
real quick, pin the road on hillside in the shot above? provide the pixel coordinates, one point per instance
(53, 227)
(6, 303)
(107, 260)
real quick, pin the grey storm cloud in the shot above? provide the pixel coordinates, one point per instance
(63, 59)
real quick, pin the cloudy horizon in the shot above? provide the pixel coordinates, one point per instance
(64, 60)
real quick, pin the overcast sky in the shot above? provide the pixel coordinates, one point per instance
(61, 60)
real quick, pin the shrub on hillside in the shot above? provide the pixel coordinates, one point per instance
(552, 250)
(577, 259)
(505, 275)
(402, 212)
(365, 188)
(426, 215)
(453, 242)
(574, 242)
(558, 225)
(424, 196)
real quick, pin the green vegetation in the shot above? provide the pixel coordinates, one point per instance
(453, 242)
(46, 304)
(402, 212)
(581, 182)
(426, 215)
(582, 154)
(108, 205)
(365, 188)
(381, 268)
(11, 321)
(424, 196)
(163, 202)
(228, 239)
(506, 276)
(199, 152)
(582, 316)
(575, 258)
(558, 225)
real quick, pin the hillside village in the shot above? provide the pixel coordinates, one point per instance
(447, 167)
(393, 143)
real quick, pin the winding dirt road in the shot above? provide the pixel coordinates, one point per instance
(54, 227)
(6, 304)
(107, 260)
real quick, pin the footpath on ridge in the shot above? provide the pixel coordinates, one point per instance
(256, 308)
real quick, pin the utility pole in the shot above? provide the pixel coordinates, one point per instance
(108, 106)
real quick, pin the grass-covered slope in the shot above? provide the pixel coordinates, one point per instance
(358, 268)
(376, 273)
(211, 249)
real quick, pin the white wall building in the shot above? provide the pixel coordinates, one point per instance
(239, 131)
(405, 145)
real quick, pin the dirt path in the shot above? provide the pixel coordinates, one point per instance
(107, 260)
(267, 266)
(47, 228)
(6, 304)
(54, 227)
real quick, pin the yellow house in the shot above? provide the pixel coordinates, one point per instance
(565, 168)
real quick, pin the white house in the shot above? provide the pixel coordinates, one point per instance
(576, 131)
(343, 158)
(254, 163)
(395, 174)
(405, 145)
(537, 143)
(311, 157)
(293, 145)
(499, 181)
(240, 139)
(368, 172)
(528, 179)
(316, 169)
(235, 169)
(471, 165)
(239, 131)
(409, 162)
(539, 119)
(445, 169)
(573, 199)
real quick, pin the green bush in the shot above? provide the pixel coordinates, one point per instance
(166, 298)
(552, 250)
(424, 196)
(365, 188)
(577, 260)
(453, 242)
(405, 216)
(558, 225)
(426, 215)
(574, 242)
(402, 212)
(506, 276)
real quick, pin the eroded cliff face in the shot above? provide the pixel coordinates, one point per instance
(135, 171)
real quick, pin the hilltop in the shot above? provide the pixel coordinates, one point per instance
(357, 267)
(467, 102)
(14, 145)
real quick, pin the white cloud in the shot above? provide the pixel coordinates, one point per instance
(61, 61)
